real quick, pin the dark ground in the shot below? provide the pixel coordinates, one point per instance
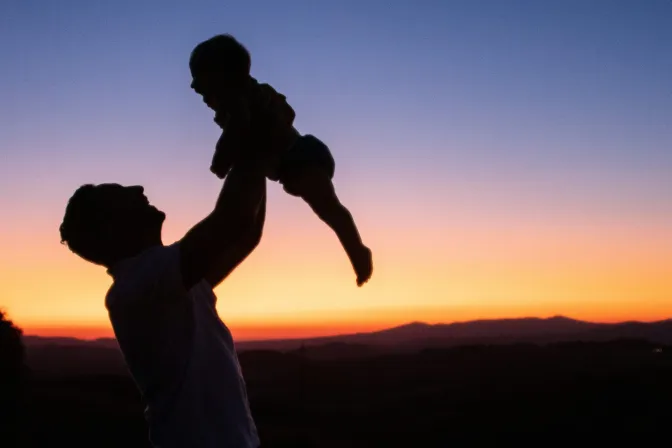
(584, 394)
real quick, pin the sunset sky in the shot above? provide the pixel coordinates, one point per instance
(501, 158)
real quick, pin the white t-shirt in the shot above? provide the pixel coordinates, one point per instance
(180, 354)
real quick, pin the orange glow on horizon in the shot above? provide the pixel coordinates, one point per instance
(298, 283)
(244, 332)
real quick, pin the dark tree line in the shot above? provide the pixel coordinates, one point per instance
(12, 380)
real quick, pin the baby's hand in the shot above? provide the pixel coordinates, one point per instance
(223, 158)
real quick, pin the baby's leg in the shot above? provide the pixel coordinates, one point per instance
(316, 188)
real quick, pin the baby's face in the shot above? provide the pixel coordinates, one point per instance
(205, 85)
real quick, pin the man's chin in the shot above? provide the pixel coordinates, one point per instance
(158, 216)
(158, 222)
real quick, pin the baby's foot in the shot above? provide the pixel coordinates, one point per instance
(363, 264)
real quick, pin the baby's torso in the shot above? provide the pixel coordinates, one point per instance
(271, 127)
(272, 118)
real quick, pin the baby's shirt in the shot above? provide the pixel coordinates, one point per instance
(271, 128)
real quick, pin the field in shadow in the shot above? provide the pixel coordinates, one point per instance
(505, 395)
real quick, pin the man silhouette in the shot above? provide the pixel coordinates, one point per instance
(162, 306)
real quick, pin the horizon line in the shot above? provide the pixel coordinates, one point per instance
(409, 323)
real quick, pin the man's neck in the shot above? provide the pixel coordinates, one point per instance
(134, 253)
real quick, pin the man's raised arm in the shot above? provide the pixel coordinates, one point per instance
(207, 244)
(228, 261)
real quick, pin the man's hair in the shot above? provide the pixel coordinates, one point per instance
(222, 53)
(80, 229)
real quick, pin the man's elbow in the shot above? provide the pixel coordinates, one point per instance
(254, 238)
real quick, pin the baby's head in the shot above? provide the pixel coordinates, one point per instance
(220, 67)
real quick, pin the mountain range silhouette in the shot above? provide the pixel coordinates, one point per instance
(52, 354)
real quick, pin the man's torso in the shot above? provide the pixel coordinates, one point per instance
(180, 354)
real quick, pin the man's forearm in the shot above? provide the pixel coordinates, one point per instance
(242, 194)
(255, 232)
(234, 215)
(232, 258)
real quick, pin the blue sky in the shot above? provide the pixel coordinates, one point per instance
(548, 116)
(456, 87)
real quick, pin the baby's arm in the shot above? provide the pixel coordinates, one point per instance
(276, 108)
(225, 154)
(235, 130)
(316, 188)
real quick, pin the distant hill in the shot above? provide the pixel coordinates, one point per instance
(37, 341)
(419, 335)
(66, 355)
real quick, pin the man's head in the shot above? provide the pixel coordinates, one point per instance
(219, 67)
(109, 222)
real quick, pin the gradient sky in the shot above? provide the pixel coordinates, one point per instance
(501, 158)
